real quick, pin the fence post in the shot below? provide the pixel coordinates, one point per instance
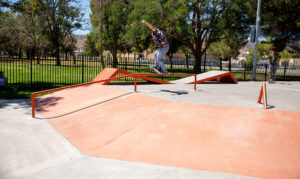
(31, 73)
(32, 105)
(284, 71)
(245, 71)
(126, 64)
(195, 83)
(82, 69)
(126, 59)
(139, 62)
(266, 67)
(134, 83)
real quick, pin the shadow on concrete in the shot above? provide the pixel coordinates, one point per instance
(41, 104)
(175, 92)
(132, 83)
(81, 109)
(270, 107)
(22, 103)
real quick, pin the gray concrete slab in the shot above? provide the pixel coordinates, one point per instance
(280, 95)
(88, 167)
(32, 148)
(26, 144)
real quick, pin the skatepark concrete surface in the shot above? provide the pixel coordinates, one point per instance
(32, 148)
(282, 95)
(60, 142)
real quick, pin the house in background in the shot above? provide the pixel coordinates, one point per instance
(80, 44)
(245, 51)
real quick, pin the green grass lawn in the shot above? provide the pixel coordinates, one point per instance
(15, 94)
(48, 75)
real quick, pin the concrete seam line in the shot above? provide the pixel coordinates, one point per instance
(86, 107)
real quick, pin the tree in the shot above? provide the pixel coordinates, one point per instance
(280, 20)
(110, 17)
(61, 18)
(4, 4)
(69, 45)
(9, 32)
(192, 22)
(174, 46)
(263, 51)
(186, 53)
(236, 30)
(286, 54)
(29, 23)
(294, 47)
(221, 51)
(92, 45)
(234, 41)
(114, 27)
(97, 7)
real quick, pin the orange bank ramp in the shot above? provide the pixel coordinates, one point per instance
(136, 127)
(220, 76)
(107, 73)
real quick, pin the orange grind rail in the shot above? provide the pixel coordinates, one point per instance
(135, 127)
(72, 87)
(98, 81)
(112, 72)
(107, 73)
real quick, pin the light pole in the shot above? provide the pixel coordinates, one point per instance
(256, 40)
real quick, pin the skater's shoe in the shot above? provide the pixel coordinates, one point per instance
(156, 69)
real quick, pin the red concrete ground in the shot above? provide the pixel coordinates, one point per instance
(136, 127)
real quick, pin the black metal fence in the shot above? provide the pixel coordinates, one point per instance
(44, 73)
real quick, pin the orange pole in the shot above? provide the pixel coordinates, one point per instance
(265, 96)
(260, 94)
(134, 83)
(195, 88)
(110, 79)
(32, 105)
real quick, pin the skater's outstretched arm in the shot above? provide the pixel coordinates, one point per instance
(149, 25)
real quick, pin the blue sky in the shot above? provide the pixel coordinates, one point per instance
(85, 5)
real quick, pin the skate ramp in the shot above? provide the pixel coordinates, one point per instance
(140, 128)
(220, 76)
(113, 72)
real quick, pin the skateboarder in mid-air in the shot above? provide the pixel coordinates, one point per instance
(163, 47)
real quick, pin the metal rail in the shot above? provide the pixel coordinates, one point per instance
(110, 79)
